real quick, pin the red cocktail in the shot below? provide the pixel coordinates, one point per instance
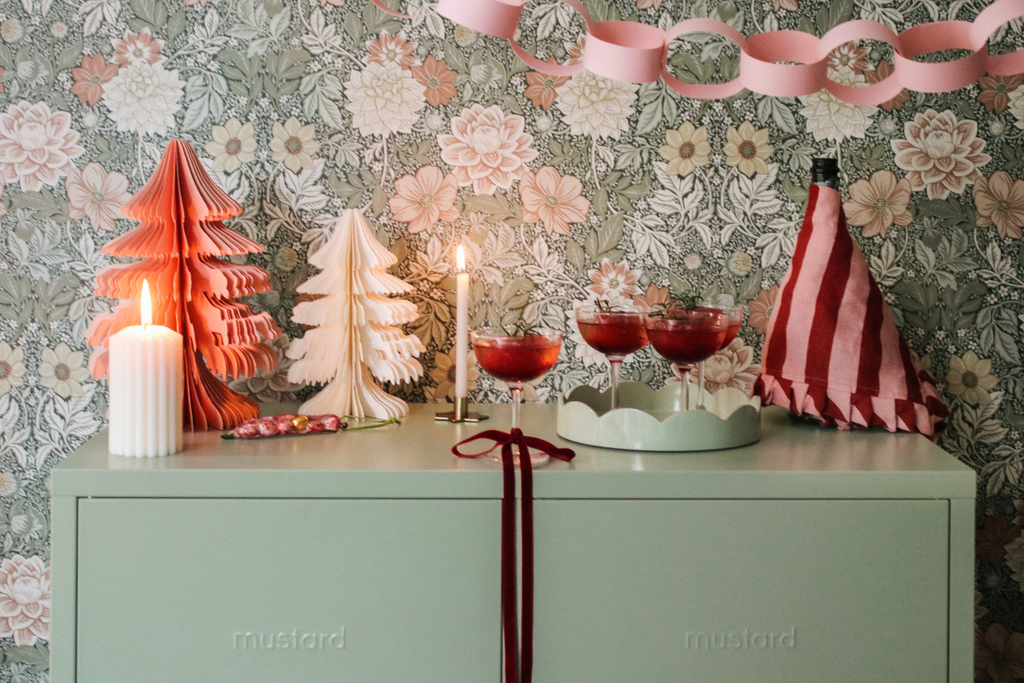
(615, 332)
(516, 359)
(686, 337)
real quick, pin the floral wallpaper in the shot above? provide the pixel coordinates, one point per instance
(563, 190)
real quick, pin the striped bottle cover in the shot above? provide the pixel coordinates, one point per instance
(832, 351)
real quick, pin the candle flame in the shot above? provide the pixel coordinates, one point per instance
(147, 305)
(460, 258)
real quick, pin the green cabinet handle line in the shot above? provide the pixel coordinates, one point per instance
(373, 557)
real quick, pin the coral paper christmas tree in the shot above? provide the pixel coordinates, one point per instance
(180, 236)
(355, 324)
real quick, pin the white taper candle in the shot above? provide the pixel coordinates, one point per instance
(461, 323)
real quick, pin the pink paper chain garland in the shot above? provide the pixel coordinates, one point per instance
(637, 53)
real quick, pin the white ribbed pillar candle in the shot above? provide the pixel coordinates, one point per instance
(146, 384)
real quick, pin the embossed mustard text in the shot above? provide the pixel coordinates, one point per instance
(740, 640)
(296, 640)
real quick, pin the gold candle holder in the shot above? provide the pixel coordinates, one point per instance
(460, 413)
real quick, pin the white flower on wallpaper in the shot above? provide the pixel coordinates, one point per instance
(11, 368)
(233, 144)
(487, 148)
(1017, 106)
(63, 370)
(36, 145)
(733, 366)
(835, 120)
(940, 153)
(143, 98)
(24, 600)
(95, 194)
(384, 99)
(596, 106)
(294, 144)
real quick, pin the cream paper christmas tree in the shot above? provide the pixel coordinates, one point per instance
(355, 327)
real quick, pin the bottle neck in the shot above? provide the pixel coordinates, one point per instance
(825, 179)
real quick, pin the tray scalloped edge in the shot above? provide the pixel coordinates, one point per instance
(649, 419)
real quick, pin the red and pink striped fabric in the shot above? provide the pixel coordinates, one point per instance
(832, 350)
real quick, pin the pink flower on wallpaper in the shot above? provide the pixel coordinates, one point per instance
(613, 281)
(878, 203)
(425, 198)
(761, 309)
(95, 194)
(1000, 202)
(998, 654)
(91, 77)
(36, 145)
(940, 153)
(654, 296)
(487, 148)
(555, 199)
(393, 49)
(733, 366)
(138, 47)
(24, 600)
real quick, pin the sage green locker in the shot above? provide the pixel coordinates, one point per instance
(814, 555)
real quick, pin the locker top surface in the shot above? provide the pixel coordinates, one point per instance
(793, 460)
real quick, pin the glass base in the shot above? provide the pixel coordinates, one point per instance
(536, 459)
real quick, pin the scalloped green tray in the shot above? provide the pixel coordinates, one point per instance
(651, 420)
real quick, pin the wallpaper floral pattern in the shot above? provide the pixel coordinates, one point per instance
(563, 190)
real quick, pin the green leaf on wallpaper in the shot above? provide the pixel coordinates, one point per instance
(176, 25)
(416, 153)
(602, 242)
(70, 57)
(997, 326)
(867, 159)
(602, 10)
(750, 287)
(920, 304)
(775, 109)
(15, 298)
(514, 294)
(377, 21)
(285, 71)
(961, 305)
(497, 207)
(44, 204)
(950, 212)
(574, 256)
(378, 201)
(245, 76)
(678, 287)
(150, 14)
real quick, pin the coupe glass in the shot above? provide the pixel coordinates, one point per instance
(517, 359)
(686, 336)
(615, 332)
(734, 320)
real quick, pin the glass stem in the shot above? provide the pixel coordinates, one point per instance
(614, 369)
(686, 386)
(700, 386)
(517, 399)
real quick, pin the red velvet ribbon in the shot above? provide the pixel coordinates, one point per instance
(518, 647)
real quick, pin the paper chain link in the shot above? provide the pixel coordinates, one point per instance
(637, 53)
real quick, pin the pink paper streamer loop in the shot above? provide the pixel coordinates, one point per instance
(778, 63)
(387, 10)
(531, 61)
(703, 91)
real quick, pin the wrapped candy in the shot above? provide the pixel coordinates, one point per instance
(279, 425)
